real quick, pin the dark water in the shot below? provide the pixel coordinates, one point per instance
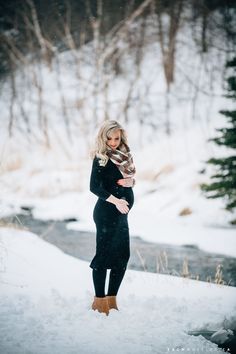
(229, 345)
(148, 256)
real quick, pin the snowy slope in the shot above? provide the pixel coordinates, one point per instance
(46, 297)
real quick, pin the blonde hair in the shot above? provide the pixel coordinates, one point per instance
(100, 149)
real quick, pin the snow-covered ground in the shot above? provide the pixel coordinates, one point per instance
(45, 306)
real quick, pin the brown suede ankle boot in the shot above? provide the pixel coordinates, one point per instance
(101, 304)
(112, 302)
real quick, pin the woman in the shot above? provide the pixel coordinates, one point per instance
(112, 181)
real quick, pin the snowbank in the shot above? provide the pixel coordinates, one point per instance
(46, 297)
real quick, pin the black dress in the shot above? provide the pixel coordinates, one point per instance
(112, 237)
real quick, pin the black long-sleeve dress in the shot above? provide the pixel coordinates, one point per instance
(112, 237)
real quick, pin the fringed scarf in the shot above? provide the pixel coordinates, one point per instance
(123, 159)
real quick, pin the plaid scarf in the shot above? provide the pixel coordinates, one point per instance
(123, 159)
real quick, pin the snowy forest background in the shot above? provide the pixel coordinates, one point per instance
(158, 67)
(65, 67)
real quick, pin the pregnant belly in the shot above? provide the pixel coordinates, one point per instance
(128, 195)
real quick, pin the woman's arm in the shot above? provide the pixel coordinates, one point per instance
(96, 183)
(126, 182)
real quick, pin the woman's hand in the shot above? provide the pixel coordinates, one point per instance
(122, 206)
(126, 182)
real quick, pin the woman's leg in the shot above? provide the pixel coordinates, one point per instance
(99, 280)
(116, 276)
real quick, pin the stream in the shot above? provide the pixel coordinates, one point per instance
(186, 260)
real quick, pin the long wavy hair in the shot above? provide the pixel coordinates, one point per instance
(105, 131)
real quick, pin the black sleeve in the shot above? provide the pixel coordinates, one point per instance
(96, 183)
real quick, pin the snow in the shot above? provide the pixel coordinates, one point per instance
(46, 296)
(221, 335)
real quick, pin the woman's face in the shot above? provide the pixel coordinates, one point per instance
(114, 139)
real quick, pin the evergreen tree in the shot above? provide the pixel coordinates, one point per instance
(224, 180)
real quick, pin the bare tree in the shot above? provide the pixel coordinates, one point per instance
(167, 39)
(108, 50)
